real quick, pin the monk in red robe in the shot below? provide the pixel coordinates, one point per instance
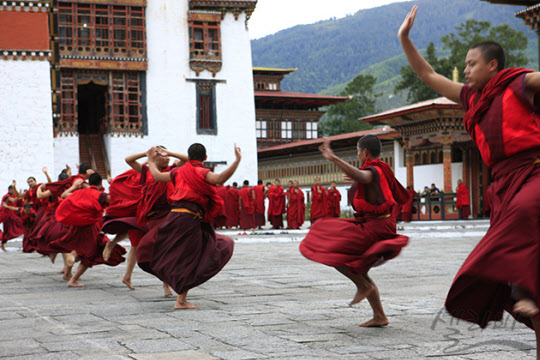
(353, 246)
(407, 208)
(503, 271)
(50, 229)
(232, 207)
(82, 210)
(333, 201)
(247, 207)
(296, 208)
(318, 201)
(28, 217)
(276, 205)
(259, 191)
(463, 201)
(13, 225)
(187, 250)
(138, 204)
(221, 219)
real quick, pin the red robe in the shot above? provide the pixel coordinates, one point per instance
(407, 208)
(296, 209)
(367, 240)
(463, 201)
(318, 203)
(259, 205)
(28, 220)
(333, 203)
(232, 207)
(276, 206)
(125, 192)
(247, 211)
(31, 197)
(82, 211)
(13, 225)
(50, 229)
(221, 218)
(509, 253)
(187, 251)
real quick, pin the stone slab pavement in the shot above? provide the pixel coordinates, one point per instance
(269, 302)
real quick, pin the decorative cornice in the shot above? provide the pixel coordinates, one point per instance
(25, 55)
(236, 7)
(27, 6)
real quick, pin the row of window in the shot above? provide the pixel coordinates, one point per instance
(266, 86)
(277, 129)
(101, 29)
(435, 156)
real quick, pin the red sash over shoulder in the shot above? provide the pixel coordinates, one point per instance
(58, 187)
(81, 208)
(126, 192)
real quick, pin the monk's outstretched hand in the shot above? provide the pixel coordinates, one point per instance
(408, 23)
(326, 150)
(44, 169)
(237, 153)
(152, 154)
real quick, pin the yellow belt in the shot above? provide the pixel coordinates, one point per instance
(537, 161)
(182, 210)
(384, 216)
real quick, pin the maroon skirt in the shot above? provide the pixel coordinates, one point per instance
(13, 225)
(357, 243)
(509, 253)
(188, 252)
(260, 219)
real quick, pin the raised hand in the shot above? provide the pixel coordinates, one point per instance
(44, 169)
(408, 23)
(152, 154)
(78, 183)
(326, 150)
(237, 153)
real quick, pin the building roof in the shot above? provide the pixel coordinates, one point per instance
(438, 103)
(286, 97)
(339, 141)
(272, 71)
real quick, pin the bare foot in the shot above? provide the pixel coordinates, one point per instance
(53, 257)
(67, 276)
(361, 294)
(128, 283)
(184, 305)
(108, 250)
(3, 247)
(61, 271)
(526, 307)
(167, 290)
(375, 322)
(75, 284)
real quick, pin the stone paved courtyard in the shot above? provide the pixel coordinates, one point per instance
(268, 303)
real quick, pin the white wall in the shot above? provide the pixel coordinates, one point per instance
(171, 100)
(66, 151)
(26, 131)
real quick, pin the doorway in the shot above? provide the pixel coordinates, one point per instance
(92, 100)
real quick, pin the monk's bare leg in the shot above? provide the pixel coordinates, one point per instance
(363, 287)
(52, 256)
(69, 261)
(111, 244)
(374, 298)
(64, 257)
(131, 261)
(524, 305)
(74, 281)
(3, 246)
(182, 303)
(167, 289)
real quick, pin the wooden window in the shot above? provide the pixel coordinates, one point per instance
(261, 129)
(274, 130)
(206, 108)
(68, 95)
(286, 130)
(205, 40)
(298, 130)
(102, 30)
(126, 104)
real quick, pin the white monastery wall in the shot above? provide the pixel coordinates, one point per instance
(26, 130)
(66, 151)
(171, 92)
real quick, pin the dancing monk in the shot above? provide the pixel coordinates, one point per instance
(503, 270)
(353, 246)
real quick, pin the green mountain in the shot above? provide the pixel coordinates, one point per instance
(330, 53)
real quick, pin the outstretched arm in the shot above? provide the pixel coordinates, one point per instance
(152, 154)
(182, 157)
(531, 83)
(222, 178)
(421, 67)
(362, 176)
(132, 161)
(76, 185)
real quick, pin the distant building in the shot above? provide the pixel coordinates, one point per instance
(282, 116)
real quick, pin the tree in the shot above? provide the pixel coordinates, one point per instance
(343, 118)
(467, 34)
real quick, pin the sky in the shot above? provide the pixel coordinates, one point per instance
(271, 16)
